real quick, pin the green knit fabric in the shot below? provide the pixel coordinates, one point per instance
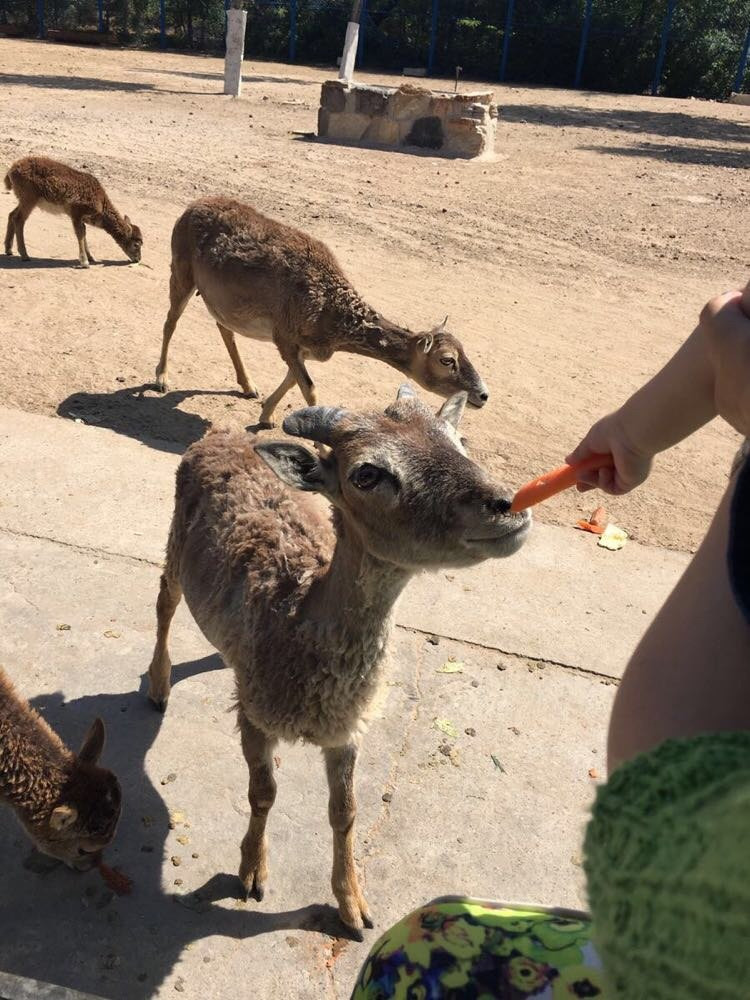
(667, 857)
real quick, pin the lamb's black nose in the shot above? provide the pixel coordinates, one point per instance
(499, 505)
(484, 396)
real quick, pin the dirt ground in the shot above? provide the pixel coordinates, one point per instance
(571, 265)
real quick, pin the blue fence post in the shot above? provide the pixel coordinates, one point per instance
(671, 4)
(433, 35)
(40, 19)
(100, 14)
(739, 79)
(506, 38)
(292, 30)
(362, 27)
(584, 41)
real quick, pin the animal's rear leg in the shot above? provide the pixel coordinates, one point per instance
(181, 287)
(246, 385)
(342, 810)
(10, 232)
(22, 215)
(258, 751)
(160, 668)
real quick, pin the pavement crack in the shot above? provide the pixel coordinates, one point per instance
(512, 654)
(81, 549)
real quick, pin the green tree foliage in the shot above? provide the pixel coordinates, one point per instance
(702, 56)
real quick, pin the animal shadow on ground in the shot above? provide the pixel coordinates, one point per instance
(140, 412)
(68, 928)
(16, 264)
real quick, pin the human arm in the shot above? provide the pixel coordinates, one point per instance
(709, 375)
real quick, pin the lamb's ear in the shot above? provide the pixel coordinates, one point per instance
(296, 466)
(443, 325)
(93, 743)
(425, 341)
(62, 817)
(453, 409)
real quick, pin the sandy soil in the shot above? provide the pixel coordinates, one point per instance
(571, 266)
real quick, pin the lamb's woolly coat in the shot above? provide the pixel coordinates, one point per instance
(34, 762)
(240, 540)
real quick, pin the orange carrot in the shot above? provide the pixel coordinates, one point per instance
(115, 879)
(546, 486)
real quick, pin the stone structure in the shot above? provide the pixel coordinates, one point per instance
(450, 124)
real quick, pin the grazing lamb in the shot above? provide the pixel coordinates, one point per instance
(268, 281)
(40, 182)
(66, 803)
(300, 608)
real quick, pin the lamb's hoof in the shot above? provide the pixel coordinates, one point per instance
(266, 425)
(8, 253)
(25, 256)
(250, 393)
(160, 704)
(254, 890)
(355, 916)
(161, 384)
(81, 266)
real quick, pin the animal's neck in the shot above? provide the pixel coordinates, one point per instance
(379, 338)
(357, 591)
(34, 763)
(112, 222)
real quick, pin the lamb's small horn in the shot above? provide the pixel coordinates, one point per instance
(443, 324)
(313, 422)
(406, 391)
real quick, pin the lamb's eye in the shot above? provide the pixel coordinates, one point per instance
(366, 476)
(448, 362)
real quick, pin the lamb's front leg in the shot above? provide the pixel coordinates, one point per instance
(342, 809)
(258, 751)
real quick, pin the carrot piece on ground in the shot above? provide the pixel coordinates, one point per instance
(551, 483)
(596, 524)
(118, 883)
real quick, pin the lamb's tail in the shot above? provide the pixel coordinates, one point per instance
(8, 182)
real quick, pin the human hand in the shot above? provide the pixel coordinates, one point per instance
(630, 464)
(725, 327)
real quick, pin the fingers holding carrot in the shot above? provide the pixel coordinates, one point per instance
(628, 466)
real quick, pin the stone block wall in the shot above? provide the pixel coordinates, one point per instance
(449, 124)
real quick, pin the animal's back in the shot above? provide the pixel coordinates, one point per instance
(54, 182)
(268, 265)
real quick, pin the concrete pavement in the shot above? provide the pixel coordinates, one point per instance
(498, 812)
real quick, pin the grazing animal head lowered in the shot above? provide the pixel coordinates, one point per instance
(439, 363)
(66, 803)
(84, 817)
(130, 239)
(403, 482)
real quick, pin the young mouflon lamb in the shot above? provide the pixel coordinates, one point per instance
(268, 281)
(67, 804)
(40, 182)
(300, 608)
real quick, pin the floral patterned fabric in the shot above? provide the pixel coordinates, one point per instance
(472, 950)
